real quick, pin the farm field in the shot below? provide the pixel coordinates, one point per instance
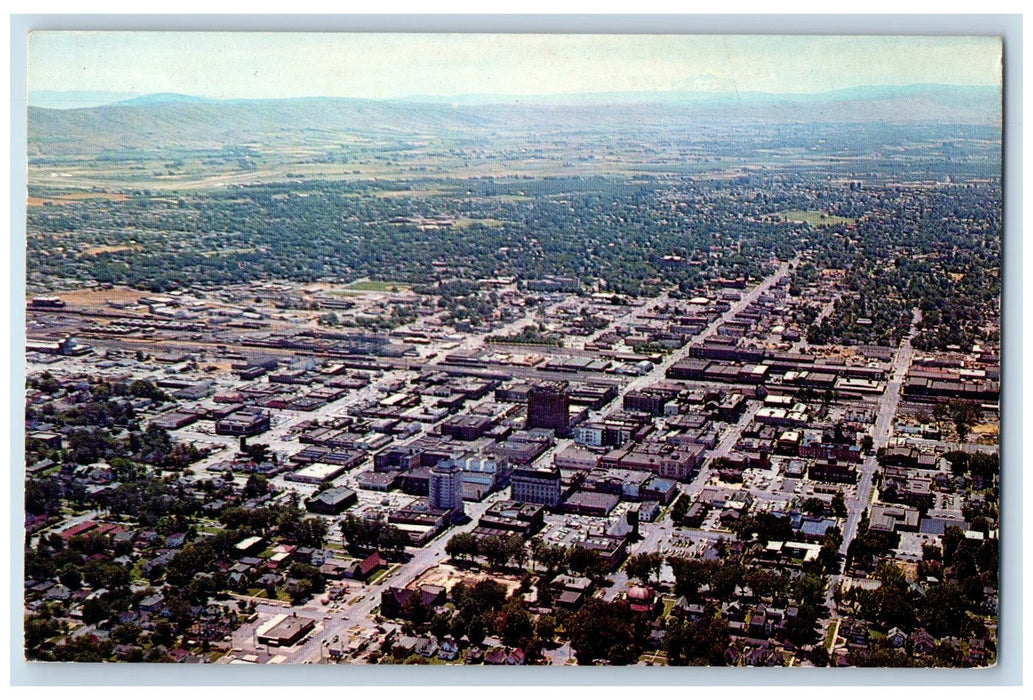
(815, 218)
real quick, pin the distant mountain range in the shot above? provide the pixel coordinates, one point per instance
(146, 121)
(868, 92)
(75, 99)
(72, 99)
(164, 98)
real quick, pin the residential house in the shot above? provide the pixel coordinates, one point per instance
(427, 647)
(896, 638)
(449, 649)
(922, 642)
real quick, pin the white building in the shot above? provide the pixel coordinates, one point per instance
(446, 487)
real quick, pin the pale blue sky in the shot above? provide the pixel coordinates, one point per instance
(270, 65)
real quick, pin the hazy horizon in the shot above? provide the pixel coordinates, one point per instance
(87, 99)
(228, 65)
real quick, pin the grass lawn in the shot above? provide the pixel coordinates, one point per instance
(368, 285)
(830, 635)
(423, 192)
(415, 659)
(815, 218)
(467, 222)
(381, 574)
(510, 197)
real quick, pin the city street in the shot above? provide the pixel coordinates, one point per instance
(659, 371)
(887, 409)
(359, 614)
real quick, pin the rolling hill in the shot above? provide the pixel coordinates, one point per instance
(182, 121)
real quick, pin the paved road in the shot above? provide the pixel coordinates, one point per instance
(887, 409)
(434, 552)
(730, 438)
(734, 432)
(659, 371)
(359, 614)
(655, 533)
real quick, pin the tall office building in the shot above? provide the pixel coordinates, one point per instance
(446, 488)
(548, 406)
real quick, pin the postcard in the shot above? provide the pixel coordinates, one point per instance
(513, 349)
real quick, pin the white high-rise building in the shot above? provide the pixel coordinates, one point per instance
(446, 488)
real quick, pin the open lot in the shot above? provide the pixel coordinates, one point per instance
(448, 576)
